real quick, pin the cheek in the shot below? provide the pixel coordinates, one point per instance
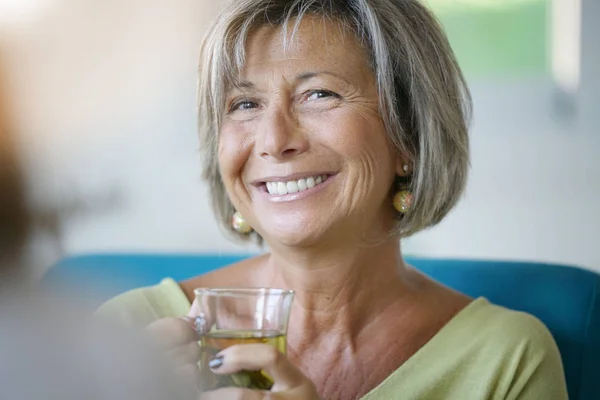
(358, 134)
(233, 153)
(359, 137)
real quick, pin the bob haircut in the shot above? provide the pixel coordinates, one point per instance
(424, 101)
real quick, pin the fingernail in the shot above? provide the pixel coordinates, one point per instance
(201, 325)
(216, 362)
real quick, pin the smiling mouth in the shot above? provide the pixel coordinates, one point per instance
(280, 188)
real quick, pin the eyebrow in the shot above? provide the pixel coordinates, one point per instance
(243, 85)
(305, 76)
(309, 75)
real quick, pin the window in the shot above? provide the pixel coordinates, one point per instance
(497, 37)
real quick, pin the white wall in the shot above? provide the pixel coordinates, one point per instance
(105, 95)
(534, 191)
(534, 187)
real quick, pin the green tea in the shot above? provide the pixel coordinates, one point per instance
(213, 342)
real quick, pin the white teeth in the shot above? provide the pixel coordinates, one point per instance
(281, 188)
(292, 187)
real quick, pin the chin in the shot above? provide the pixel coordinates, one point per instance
(296, 235)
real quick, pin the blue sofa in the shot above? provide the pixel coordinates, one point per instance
(566, 299)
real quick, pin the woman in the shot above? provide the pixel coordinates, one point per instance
(332, 129)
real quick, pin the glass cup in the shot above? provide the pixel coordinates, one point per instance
(227, 317)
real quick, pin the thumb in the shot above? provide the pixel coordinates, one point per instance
(189, 320)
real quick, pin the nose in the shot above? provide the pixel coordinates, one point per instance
(280, 137)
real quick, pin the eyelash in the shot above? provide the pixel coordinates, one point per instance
(327, 92)
(235, 106)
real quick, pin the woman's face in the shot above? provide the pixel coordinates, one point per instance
(302, 149)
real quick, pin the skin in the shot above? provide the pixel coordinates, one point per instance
(359, 311)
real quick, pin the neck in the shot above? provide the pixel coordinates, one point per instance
(342, 289)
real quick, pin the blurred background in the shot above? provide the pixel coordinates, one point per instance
(104, 95)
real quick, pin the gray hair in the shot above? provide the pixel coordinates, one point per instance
(423, 97)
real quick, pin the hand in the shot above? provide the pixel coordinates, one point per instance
(289, 382)
(177, 337)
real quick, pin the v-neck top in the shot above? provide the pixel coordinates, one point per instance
(484, 352)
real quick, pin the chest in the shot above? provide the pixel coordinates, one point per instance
(350, 372)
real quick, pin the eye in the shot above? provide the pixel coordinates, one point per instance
(320, 94)
(242, 105)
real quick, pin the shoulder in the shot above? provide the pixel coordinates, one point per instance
(518, 348)
(138, 308)
(509, 328)
(486, 352)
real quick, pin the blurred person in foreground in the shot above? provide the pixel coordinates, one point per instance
(332, 129)
(49, 348)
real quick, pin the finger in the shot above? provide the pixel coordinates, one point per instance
(235, 394)
(188, 353)
(254, 357)
(199, 320)
(189, 374)
(172, 332)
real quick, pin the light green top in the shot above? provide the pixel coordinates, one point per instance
(484, 352)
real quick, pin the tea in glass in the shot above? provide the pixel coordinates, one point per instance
(240, 316)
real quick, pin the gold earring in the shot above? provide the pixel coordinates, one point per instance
(403, 200)
(239, 223)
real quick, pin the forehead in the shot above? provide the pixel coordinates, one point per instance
(316, 44)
